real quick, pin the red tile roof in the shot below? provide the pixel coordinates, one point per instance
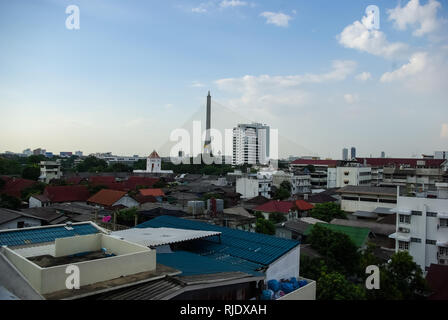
(14, 186)
(315, 162)
(396, 162)
(106, 197)
(145, 199)
(66, 193)
(302, 205)
(154, 154)
(275, 206)
(152, 192)
(100, 180)
(134, 182)
(73, 180)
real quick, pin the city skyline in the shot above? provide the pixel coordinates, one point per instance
(128, 76)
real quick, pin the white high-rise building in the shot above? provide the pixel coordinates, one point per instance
(345, 154)
(251, 144)
(422, 227)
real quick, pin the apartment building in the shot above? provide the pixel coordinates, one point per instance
(50, 170)
(414, 175)
(317, 169)
(253, 186)
(422, 227)
(299, 183)
(365, 198)
(251, 144)
(344, 176)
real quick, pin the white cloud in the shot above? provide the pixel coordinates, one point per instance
(197, 84)
(232, 3)
(423, 18)
(361, 37)
(417, 63)
(279, 19)
(351, 98)
(444, 131)
(200, 9)
(265, 94)
(364, 76)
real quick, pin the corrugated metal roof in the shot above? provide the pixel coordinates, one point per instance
(195, 264)
(258, 248)
(43, 234)
(152, 237)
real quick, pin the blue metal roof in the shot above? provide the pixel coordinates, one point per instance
(242, 246)
(195, 264)
(41, 235)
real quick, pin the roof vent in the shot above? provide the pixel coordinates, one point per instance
(68, 225)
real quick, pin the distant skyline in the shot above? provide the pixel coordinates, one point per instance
(136, 70)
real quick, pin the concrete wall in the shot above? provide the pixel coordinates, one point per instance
(131, 259)
(307, 292)
(34, 203)
(285, 267)
(352, 205)
(127, 202)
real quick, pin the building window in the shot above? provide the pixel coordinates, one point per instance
(403, 245)
(443, 251)
(416, 213)
(20, 224)
(443, 223)
(405, 219)
(433, 242)
(431, 214)
(417, 240)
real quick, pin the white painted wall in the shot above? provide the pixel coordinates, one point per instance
(286, 267)
(127, 202)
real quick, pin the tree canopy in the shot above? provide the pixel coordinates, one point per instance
(327, 212)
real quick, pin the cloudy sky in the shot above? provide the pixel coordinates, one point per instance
(318, 71)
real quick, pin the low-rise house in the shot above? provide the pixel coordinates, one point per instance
(158, 194)
(50, 170)
(60, 194)
(303, 207)
(250, 187)
(14, 186)
(109, 199)
(286, 208)
(12, 219)
(275, 258)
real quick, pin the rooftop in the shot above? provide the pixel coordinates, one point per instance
(66, 193)
(241, 247)
(329, 163)
(36, 235)
(106, 197)
(302, 205)
(369, 190)
(14, 186)
(152, 192)
(396, 162)
(275, 206)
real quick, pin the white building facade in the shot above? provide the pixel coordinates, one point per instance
(422, 227)
(50, 170)
(251, 144)
(253, 187)
(348, 176)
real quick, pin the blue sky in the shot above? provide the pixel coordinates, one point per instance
(136, 70)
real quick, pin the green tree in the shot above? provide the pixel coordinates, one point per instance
(334, 286)
(118, 167)
(327, 211)
(35, 159)
(277, 217)
(31, 173)
(281, 194)
(161, 183)
(92, 164)
(35, 189)
(401, 278)
(264, 226)
(9, 166)
(94, 189)
(9, 202)
(337, 249)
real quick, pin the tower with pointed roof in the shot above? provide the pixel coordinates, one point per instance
(153, 162)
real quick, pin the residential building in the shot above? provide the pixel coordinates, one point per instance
(414, 174)
(422, 227)
(287, 208)
(251, 144)
(14, 186)
(348, 176)
(65, 154)
(251, 187)
(78, 153)
(317, 169)
(108, 199)
(364, 198)
(59, 194)
(27, 152)
(12, 219)
(39, 151)
(299, 183)
(383, 154)
(50, 170)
